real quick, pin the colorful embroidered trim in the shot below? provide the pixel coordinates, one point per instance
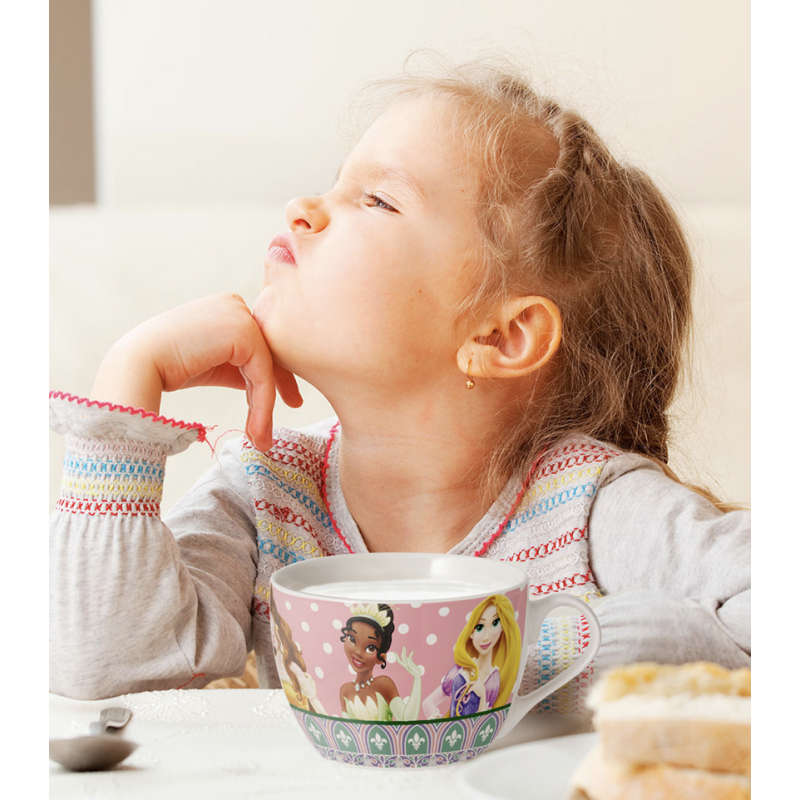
(560, 642)
(579, 579)
(116, 478)
(265, 473)
(553, 546)
(297, 456)
(517, 500)
(115, 508)
(202, 430)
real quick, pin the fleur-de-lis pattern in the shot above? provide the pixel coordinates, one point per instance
(416, 744)
(486, 732)
(453, 738)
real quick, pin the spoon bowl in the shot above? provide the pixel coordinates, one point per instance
(90, 753)
(100, 750)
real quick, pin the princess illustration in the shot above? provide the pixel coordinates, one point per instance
(299, 686)
(487, 657)
(367, 637)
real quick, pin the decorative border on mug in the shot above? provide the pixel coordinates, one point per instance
(395, 743)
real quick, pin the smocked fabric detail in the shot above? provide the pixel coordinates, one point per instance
(539, 521)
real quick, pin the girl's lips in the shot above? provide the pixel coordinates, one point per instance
(485, 646)
(281, 254)
(281, 249)
(356, 662)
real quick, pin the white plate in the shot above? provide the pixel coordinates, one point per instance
(532, 771)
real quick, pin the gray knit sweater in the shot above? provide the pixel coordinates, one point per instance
(140, 603)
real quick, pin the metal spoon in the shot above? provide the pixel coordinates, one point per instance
(96, 752)
(114, 718)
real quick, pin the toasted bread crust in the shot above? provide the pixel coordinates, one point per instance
(700, 677)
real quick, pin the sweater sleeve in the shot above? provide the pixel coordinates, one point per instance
(137, 603)
(675, 571)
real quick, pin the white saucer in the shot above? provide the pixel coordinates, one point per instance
(533, 771)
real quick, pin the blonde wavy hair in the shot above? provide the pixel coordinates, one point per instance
(506, 653)
(560, 216)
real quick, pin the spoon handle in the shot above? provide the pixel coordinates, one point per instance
(114, 718)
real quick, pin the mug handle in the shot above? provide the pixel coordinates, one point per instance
(538, 611)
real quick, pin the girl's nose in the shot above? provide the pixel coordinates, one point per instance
(306, 214)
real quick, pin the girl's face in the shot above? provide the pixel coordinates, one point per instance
(488, 631)
(380, 262)
(361, 645)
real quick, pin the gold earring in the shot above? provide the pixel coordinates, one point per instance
(470, 382)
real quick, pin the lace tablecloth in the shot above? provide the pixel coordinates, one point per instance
(240, 743)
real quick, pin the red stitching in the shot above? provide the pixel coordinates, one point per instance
(582, 446)
(583, 632)
(80, 505)
(201, 429)
(313, 469)
(260, 607)
(328, 446)
(542, 550)
(286, 515)
(579, 579)
(289, 445)
(572, 462)
(196, 675)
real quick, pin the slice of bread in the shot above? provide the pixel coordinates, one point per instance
(599, 778)
(695, 716)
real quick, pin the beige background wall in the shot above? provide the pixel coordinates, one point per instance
(212, 101)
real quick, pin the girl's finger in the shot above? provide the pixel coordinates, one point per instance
(260, 405)
(260, 390)
(287, 387)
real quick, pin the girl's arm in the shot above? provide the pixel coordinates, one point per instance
(676, 571)
(132, 608)
(213, 341)
(137, 604)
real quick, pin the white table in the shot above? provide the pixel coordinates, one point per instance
(243, 743)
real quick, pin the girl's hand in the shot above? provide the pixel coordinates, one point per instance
(209, 342)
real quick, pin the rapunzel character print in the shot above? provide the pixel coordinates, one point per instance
(486, 656)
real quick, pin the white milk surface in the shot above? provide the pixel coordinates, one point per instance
(398, 590)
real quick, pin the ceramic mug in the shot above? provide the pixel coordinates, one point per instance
(410, 659)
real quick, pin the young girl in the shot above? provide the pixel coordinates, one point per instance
(496, 309)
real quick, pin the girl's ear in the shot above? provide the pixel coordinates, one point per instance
(521, 338)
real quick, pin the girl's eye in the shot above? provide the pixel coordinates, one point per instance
(479, 627)
(378, 203)
(371, 648)
(350, 639)
(496, 622)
